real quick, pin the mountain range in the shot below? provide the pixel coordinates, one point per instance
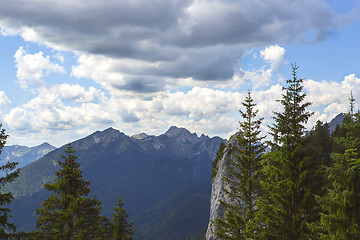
(164, 180)
(25, 155)
(157, 176)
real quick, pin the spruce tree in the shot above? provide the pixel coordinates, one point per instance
(243, 179)
(319, 144)
(341, 206)
(288, 206)
(68, 213)
(122, 230)
(5, 198)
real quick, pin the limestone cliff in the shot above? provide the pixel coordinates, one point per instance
(221, 163)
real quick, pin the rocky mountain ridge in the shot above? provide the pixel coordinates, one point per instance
(25, 155)
(144, 171)
(217, 194)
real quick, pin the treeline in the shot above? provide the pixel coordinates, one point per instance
(307, 186)
(68, 213)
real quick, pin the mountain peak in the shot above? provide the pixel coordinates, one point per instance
(336, 121)
(175, 131)
(182, 135)
(140, 136)
(107, 135)
(46, 145)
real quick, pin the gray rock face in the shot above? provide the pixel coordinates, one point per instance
(336, 121)
(218, 183)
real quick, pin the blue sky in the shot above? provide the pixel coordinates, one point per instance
(71, 68)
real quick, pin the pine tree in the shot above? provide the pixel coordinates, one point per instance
(5, 198)
(341, 206)
(243, 179)
(122, 230)
(319, 144)
(68, 213)
(288, 206)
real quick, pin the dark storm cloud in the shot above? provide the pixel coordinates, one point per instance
(141, 84)
(188, 38)
(129, 118)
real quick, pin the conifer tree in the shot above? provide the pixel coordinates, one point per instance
(5, 198)
(68, 213)
(319, 144)
(122, 230)
(288, 207)
(341, 206)
(243, 179)
(319, 138)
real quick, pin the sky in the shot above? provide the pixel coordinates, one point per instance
(69, 68)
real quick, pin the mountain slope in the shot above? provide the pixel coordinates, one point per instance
(184, 215)
(144, 172)
(25, 155)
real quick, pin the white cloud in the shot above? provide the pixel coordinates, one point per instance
(31, 68)
(4, 100)
(49, 111)
(274, 55)
(201, 109)
(76, 93)
(324, 92)
(59, 57)
(332, 97)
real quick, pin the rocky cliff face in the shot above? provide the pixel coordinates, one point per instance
(217, 195)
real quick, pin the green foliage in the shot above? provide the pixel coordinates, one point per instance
(319, 144)
(289, 126)
(6, 197)
(243, 179)
(201, 236)
(122, 230)
(288, 206)
(68, 213)
(341, 206)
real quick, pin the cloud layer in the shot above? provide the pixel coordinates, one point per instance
(198, 39)
(159, 63)
(32, 68)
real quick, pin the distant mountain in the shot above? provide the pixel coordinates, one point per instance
(145, 171)
(25, 155)
(336, 121)
(140, 136)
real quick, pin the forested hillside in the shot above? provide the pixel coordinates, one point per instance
(306, 187)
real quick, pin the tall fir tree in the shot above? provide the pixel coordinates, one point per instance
(340, 219)
(122, 229)
(5, 198)
(68, 213)
(319, 144)
(243, 179)
(288, 206)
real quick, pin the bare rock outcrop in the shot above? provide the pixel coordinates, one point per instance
(217, 195)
